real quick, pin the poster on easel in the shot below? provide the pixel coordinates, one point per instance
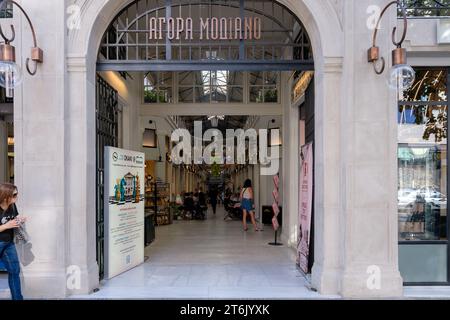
(124, 188)
(305, 207)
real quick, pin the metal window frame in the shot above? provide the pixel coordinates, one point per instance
(245, 87)
(107, 134)
(415, 11)
(300, 46)
(434, 242)
(7, 12)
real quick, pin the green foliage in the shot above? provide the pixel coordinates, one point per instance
(271, 96)
(154, 96)
(215, 170)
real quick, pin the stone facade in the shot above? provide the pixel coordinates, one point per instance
(356, 145)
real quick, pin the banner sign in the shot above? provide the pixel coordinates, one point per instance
(124, 210)
(305, 207)
(275, 205)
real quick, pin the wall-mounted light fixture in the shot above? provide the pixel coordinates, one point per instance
(150, 138)
(401, 76)
(275, 141)
(10, 71)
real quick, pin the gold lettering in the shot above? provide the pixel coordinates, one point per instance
(214, 28)
(223, 29)
(204, 27)
(161, 22)
(238, 28)
(170, 29)
(248, 28)
(180, 27)
(152, 33)
(257, 28)
(189, 29)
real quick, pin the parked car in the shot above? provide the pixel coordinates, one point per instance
(407, 197)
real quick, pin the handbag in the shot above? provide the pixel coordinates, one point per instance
(25, 253)
(21, 235)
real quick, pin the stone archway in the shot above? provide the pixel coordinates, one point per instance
(325, 30)
(356, 207)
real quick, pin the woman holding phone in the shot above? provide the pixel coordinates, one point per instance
(10, 220)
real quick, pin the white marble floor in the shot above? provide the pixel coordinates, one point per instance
(215, 259)
(211, 259)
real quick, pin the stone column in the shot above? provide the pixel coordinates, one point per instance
(40, 111)
(329, 235)
(290, 163)
(369, 158)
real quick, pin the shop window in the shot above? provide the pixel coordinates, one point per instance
(422, 177)
(430, 85)
(426, 8)
(158, 87)
(7, 13)
(3, 97)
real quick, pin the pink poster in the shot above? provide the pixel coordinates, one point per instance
(276, 209)
(276, 181)
(275, 205)
(305, 207)
(275, 223)
(276, 195)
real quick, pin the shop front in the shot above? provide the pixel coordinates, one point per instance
(356, 227)
(423, 177)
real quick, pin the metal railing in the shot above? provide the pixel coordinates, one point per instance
(426, 8)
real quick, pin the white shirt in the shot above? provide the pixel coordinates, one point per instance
(246, 194)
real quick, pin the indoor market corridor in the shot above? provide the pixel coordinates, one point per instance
(208, 260)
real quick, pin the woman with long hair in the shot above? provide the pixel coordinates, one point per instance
(247, 204)
(10, 220)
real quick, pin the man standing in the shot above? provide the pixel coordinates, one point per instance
(213, 199)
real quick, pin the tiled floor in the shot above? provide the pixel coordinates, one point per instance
(215, 259)
(211, 259)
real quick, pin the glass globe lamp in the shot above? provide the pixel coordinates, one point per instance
(401, 77)
(10, 72)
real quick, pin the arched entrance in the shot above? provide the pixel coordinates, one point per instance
(230, 54)
(322, 24)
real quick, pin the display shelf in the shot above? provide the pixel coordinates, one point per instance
(157, 200)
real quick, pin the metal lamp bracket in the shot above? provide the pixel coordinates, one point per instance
(398, 53)
(37, 55)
